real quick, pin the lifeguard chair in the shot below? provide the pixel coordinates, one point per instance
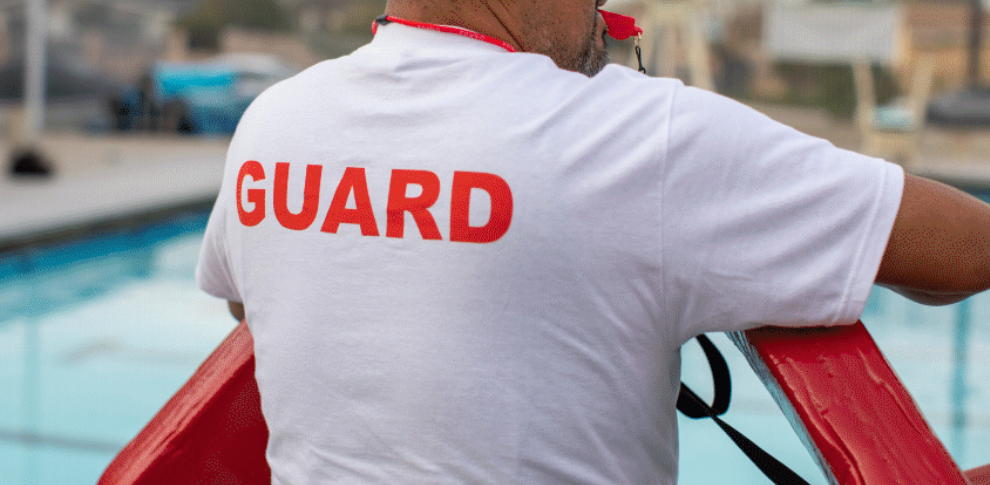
(860, 35)
(893, 131)
(677, 40)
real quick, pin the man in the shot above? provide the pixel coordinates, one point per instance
(462, 264)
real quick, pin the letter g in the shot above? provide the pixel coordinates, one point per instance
(254, 196)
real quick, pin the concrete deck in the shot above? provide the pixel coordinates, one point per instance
(105, 179)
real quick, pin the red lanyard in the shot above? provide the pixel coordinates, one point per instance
(384, 19)
(619, 27)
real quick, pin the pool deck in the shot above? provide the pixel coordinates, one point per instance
(101, 179)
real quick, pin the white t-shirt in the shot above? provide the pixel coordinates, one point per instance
(461, 265)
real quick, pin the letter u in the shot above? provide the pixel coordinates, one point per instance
(311, 197)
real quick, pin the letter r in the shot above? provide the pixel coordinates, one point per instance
(399, 204)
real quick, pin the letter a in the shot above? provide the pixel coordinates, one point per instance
(499, 217)
(353, 180)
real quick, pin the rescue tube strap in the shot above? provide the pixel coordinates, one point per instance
(692, 406)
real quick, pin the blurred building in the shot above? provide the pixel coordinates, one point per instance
(99, 50)
(941, 30)
(333, 28)
(95, 47)
(935, 29)
(113, 37)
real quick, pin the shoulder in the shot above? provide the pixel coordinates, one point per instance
(617, 95)
(301, 84)
(615, 82)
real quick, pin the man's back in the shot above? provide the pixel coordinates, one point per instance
(466, 266)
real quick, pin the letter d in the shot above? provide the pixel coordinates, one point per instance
(460, 207)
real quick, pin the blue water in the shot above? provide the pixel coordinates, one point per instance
(96, 335)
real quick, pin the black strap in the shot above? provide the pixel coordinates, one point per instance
(692, 406)
(639, 56)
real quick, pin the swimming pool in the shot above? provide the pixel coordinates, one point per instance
(97, 334)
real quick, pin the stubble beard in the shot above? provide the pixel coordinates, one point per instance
(593, 59)
(587, 59)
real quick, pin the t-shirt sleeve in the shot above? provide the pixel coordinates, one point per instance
(764, 225)
(213, 271)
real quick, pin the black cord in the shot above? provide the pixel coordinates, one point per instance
(694, 407)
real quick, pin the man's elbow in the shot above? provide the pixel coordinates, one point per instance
(977, 276)
(947, 288)
(939, 248)
(932, 298)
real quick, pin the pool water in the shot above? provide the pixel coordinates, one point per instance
(96, 335)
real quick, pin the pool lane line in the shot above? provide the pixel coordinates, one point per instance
(56, 441)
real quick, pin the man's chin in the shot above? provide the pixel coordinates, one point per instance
(594, 62)
(595, 57)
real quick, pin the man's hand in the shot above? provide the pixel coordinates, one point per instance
(939, 249)
(236, 309)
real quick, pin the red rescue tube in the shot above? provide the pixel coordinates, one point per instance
(979, 475)
(211, 431)
(848, 406)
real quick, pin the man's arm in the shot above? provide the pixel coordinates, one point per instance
(236, 309)
(939, 249)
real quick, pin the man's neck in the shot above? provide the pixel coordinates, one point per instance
(493, 19)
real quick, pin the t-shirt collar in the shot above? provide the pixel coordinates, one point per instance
(392, 33)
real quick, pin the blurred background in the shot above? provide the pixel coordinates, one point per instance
(114, 120)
